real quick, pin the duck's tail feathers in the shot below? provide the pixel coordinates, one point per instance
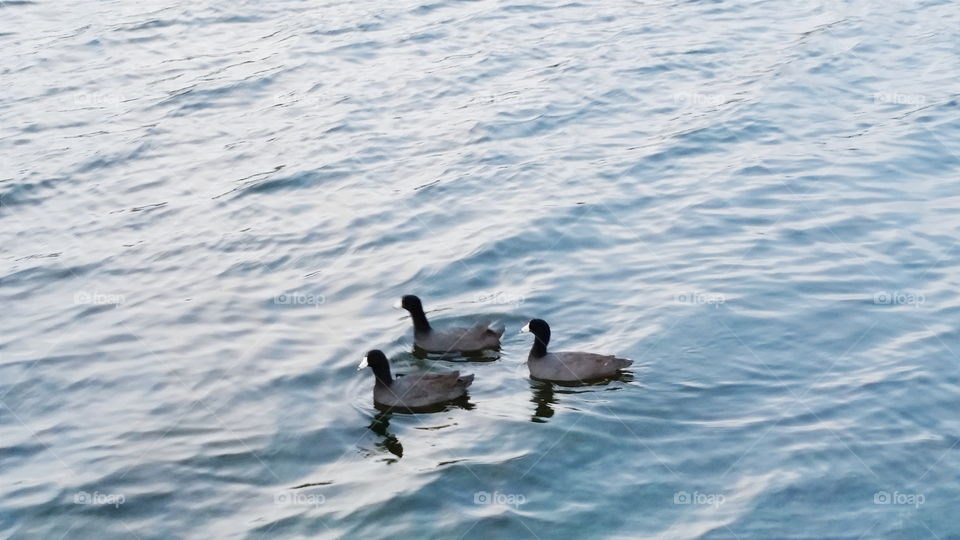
(497, 328)
(465, 381)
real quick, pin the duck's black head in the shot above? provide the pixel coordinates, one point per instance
(541, 331)
(377, 361)
(412, 304)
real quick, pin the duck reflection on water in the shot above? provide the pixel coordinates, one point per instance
(546, 394)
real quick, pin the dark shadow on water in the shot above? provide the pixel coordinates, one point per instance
(381, 422)
(543, 397)
(484, 355)
(390, 442)
(545, 393)
(623, 376)
(462, 402)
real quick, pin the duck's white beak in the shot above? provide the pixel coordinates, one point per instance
(363, 364)
(525, 329)
(398, 304)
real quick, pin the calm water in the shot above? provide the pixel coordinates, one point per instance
(208, 208)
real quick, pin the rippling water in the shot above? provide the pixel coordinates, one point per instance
(208, 208)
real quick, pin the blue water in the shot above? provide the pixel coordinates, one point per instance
(207, 209)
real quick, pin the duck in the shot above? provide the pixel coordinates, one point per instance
(412, 391)
(567, 366)
(448, 340)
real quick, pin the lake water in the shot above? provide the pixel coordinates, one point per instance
(208, 208)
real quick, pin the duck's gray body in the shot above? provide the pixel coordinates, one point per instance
(575, 366)
(448, 340)
(414, 391)
(477, 337)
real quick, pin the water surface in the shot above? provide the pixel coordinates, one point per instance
(207, 210)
